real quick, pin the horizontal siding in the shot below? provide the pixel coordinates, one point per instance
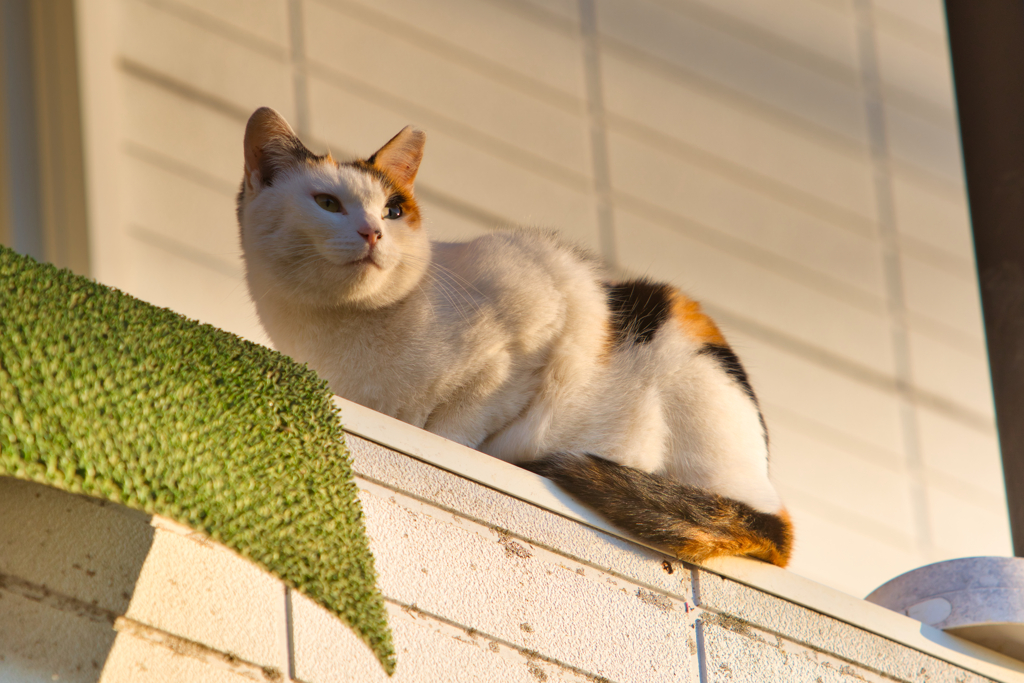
(477, 174)
(249, 74)
(741, 168)
(264, 20)
(545, 134)
(505, 42)
(818, 34)
(785, 160)
(746, 287)
(741, 214)
(696, 50)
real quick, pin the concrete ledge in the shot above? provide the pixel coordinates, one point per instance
(488, 573)
(536, 490)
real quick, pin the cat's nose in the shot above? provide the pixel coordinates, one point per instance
(371, 234)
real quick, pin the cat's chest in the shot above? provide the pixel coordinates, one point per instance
(394, 368)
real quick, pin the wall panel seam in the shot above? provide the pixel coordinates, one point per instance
(885, 198)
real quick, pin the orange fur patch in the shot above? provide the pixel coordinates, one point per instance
(703, 545)
(695, 323)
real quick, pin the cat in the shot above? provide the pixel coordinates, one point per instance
(625, 394)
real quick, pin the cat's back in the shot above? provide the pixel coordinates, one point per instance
(529, 276)
(510, 258)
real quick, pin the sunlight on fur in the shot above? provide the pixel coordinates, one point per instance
(623, 393)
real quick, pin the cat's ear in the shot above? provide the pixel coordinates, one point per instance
(271, 146)
(400, 157)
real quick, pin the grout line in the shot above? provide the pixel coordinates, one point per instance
(601, 171)
(122, 624)
(289, 618)
(702, 657)
(372, 482)
(889, 238)
(297, 55)
(788, 644)
(530, 655)
(197, 651)
(695, 586)
(56, 600)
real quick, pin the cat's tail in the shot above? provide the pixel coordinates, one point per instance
(693, 523)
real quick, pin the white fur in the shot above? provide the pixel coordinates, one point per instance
(500, 343)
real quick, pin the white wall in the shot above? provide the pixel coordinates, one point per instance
(478, 586)
(793, 164)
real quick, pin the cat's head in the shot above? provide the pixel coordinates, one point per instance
(323, 233)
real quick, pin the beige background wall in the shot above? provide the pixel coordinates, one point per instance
(793, 164)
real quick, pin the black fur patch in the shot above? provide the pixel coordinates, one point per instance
(732, 366)
(771, 527)
(638, 309)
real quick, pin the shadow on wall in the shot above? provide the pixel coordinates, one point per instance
(68, 569)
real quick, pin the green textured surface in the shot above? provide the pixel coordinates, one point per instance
(104, 395)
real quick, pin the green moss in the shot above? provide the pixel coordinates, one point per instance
(104, 395)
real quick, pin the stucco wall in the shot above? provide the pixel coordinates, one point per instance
(480, 586)
(792, 163)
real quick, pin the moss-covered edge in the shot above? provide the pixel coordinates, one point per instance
(105, 395)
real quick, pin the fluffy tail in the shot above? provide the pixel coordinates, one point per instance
(693, 523)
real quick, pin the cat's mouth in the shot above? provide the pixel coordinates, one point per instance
(367, 260)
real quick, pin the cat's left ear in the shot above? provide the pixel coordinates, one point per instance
(400, 157)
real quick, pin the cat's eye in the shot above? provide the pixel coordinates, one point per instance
(392, 212)
(328, 203)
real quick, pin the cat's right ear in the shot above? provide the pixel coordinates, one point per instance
(271, 146)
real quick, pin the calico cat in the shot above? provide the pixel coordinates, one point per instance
(623, 393)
